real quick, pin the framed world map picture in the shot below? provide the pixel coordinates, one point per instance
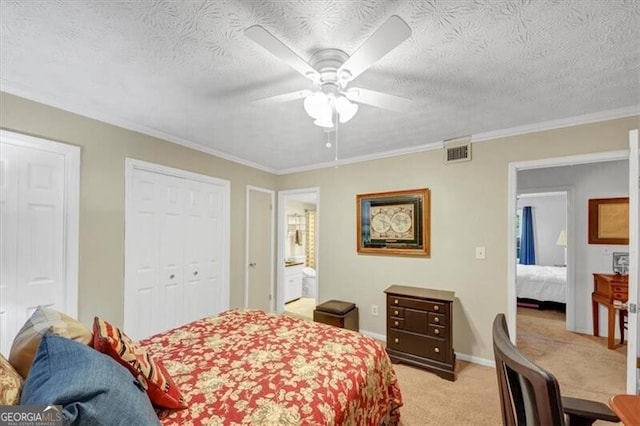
(394, 223)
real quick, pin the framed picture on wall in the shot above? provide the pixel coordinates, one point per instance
(609, 221)
(621, 263)
(394, 223)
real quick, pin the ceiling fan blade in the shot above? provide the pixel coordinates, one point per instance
(378, 99)
(269, 42)
(287, 97)
(390, 34)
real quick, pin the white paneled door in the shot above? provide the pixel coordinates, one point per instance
(260, 231)
(203, 249)
(176, 260)
(33, 230)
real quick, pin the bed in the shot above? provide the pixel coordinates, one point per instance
(241, 367)
(542, 283)
(250, 367)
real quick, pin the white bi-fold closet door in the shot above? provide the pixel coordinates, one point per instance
(177, 245)
(38, 231)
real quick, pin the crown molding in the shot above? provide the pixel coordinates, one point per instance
(369, 157)
(93, 113)
(558, 124)
(483, 137)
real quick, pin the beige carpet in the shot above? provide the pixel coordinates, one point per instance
(582, 364)
(301, 308)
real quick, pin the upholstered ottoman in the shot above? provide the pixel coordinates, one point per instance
(339, 314)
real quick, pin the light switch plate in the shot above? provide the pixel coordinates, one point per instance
(480, 253)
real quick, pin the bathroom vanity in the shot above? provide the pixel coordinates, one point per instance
(292, 281)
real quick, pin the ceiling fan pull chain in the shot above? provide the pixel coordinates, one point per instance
(336, 124)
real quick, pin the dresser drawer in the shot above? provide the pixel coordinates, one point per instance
(437, 319)
(620, 289)
(415, 320)
(620, 296)
(425, 305)
(396, 323)
(437, 331)
(416, 344)
(395, 311)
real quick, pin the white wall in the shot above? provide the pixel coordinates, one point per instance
(600, 180)
(549, 218)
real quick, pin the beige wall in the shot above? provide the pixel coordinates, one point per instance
(468, 209)
(103, 150)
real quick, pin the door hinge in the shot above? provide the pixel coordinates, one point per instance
(633, 308)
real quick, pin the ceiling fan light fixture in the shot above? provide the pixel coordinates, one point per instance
(324, 121)
(316, 104)
(346, 110)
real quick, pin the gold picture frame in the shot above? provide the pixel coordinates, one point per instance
(609, 221)
(394, 223)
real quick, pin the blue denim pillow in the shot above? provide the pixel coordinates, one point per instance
(91, 387)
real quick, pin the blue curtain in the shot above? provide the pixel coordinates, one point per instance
(527, 249)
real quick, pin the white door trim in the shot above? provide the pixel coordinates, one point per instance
(282, 225)
(633, 376)
(132, 164)
(71, 155)
(512, 190)
(272, 221)
(568, 191)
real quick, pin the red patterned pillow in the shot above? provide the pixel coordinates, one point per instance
(109, 340)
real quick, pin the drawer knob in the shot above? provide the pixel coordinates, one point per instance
(437, 350)
(396, 323)
(436, 331)
(395, 313)
(436, 308)
(436, 319)
(396, 340)
(395, 301)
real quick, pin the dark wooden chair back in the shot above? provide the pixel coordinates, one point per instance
(529, 395)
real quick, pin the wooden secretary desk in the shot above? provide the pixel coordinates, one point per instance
(607, 289)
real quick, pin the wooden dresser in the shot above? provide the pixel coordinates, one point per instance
(607, 289)
(420, 329)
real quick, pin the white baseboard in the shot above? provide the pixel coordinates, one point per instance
(476, 360)
(376, 336)
(461, 356)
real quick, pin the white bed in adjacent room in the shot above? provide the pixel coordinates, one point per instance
(542, 283)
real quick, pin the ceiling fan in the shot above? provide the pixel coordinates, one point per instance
(331, 70)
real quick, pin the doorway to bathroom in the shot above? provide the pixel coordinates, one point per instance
(298, 219)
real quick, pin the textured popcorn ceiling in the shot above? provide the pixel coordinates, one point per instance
(185, 71)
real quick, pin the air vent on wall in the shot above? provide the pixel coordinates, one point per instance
(457, 150)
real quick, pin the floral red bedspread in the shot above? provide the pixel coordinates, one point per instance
(250, 367)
